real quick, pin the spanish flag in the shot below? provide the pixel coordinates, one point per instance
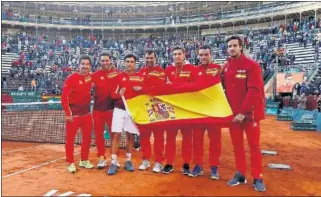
(180, 104)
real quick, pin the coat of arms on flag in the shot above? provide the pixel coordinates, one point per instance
(159, 110)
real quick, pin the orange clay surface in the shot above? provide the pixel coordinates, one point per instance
(301, 150)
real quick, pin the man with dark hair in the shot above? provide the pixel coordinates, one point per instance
(75, 100)
(103, 104)
(126, 81)
(179, 72)
(244, 89)
(288, 84)
(206, 71)
(153, 75)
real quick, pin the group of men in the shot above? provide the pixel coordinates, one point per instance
(243, 83)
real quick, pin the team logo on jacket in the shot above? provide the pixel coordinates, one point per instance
(112, 75)
(159, 111)
(212, 71)
(200, 73)
(241, 74)
(185, 74)
(102, 78)
(87, 79)
(154, 73)
(135, 78)
(80, 82)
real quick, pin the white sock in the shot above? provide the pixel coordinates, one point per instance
(114, 159)
(128, 156)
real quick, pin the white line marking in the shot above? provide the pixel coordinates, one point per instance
(38, 166)
(84, 195)
(16, 150)
(51, 192)
(67, 194)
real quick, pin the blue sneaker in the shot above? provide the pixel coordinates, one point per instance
(214, 173)
(197, 171)
(237, 179)
(129, 166)
(112, 169)
(185, 169)
(259, 185)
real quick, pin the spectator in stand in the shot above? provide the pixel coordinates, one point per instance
(20, 87)
(33, 85)
(4, 83)
(296, 90)
(302, 102)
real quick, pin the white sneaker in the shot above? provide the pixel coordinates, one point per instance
(157, 167)
(145, 164)
(101, 163)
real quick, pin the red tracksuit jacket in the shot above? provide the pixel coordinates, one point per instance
(75, 98)
(153, 76)
(102, 84)
(186, 74)
(127, 81)
(244, 87)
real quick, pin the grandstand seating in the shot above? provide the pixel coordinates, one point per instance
(304, 57)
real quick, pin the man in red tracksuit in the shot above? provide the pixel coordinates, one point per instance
(103, 104)
(206, 71)
(179, 73)
(153, 75)
(75, 100)
(122, 122)
(244, 89)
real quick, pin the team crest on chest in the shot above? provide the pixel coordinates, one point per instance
(185, 74)
(135, 78)
(112, 75)
(212, 71)
(124, 79)
(80, 82)
(200, 73)
(159, 111)
(241, 74)
(87, 79)
(102, 78)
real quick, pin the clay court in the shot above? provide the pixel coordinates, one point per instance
(34, 169)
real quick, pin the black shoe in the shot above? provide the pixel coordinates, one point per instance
(185, 169)
(168, 169)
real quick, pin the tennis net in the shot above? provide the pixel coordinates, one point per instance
(42, 122)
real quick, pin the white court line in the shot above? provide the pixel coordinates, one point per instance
(51, 192)
(67, 194)
(16, 150)
(38, 166)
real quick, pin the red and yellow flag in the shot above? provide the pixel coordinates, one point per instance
(181, 104)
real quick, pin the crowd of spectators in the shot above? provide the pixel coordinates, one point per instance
(48, 61)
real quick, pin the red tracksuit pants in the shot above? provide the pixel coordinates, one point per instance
(158, 144)
(187, 144)
(86, 126)
(252, 131)
(215, 148)
(100, 119)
